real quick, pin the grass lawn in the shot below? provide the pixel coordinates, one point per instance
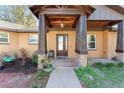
(39, 80)
(101, 75)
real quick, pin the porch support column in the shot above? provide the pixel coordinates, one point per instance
(120, 42)
(42, 43)
(81, 41)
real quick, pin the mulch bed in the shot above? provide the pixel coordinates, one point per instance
(38, 80)
(16, 76)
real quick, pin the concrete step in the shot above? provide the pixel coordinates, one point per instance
(64, 67)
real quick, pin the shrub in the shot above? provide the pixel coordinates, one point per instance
(98, 65)
(85, 73)
(34, 59)
(79, 71)
(37, 85)
(120, 64)
(109, 65)
(41, 74)
(104, 65)
(22, 54)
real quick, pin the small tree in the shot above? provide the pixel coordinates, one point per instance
(17, 14)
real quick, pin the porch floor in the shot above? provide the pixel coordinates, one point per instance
(64, 62)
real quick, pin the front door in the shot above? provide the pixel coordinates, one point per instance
(62, 45)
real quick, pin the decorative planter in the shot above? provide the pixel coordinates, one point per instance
(8, 60)
(48, 68)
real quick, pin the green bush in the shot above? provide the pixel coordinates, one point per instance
(98, 65)
(104, 65)
(120, 64)
(102, 75)
(109, 65)
(37, 85)
(85, 72)
(79, 71)
(34, 59)
(41, 74)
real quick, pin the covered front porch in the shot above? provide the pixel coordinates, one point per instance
(64, 62)
(56, 22)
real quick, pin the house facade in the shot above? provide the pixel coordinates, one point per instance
(72, 31)
(102, 48)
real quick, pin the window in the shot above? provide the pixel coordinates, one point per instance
(91, 42)
(33, 39)
(4, 37)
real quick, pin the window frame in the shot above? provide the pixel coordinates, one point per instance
(8, 37)
(92, 49)
(31, 42)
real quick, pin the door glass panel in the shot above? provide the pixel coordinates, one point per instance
(60, 42)
(66, 42)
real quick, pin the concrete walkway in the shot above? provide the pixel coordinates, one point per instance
(64, 77)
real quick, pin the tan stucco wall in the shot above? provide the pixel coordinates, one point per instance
(105, 43)
(112, 38)
(51, 41)
(23, 43)
(17, 41)
(13, 44)
(99, 44)
(109, 42)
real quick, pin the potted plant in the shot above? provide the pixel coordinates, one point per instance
(8, 60)
(47, 64)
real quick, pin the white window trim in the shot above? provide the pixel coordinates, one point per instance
(91, 41)
(8, 38)
(32, 43)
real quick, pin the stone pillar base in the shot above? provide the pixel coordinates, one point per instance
(40, 58)
(120, 57)
(82, 60)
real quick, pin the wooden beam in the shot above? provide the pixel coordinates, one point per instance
(61, 29)
(75, 22)
(42, 35)
(62, 12)
(65, 22)
(97, 28)
(48, 22)
(81, 36)
(111, 23)
(58, 6)
(120, 38)
(66, 6)
(61, 16)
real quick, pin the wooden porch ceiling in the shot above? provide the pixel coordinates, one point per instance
(68, 21)
(36, 9)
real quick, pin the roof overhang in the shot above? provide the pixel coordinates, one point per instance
(117, 8)
(36, 9)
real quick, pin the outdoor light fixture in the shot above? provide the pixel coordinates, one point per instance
(62, 25)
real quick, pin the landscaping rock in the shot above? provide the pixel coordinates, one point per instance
(90, 77)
